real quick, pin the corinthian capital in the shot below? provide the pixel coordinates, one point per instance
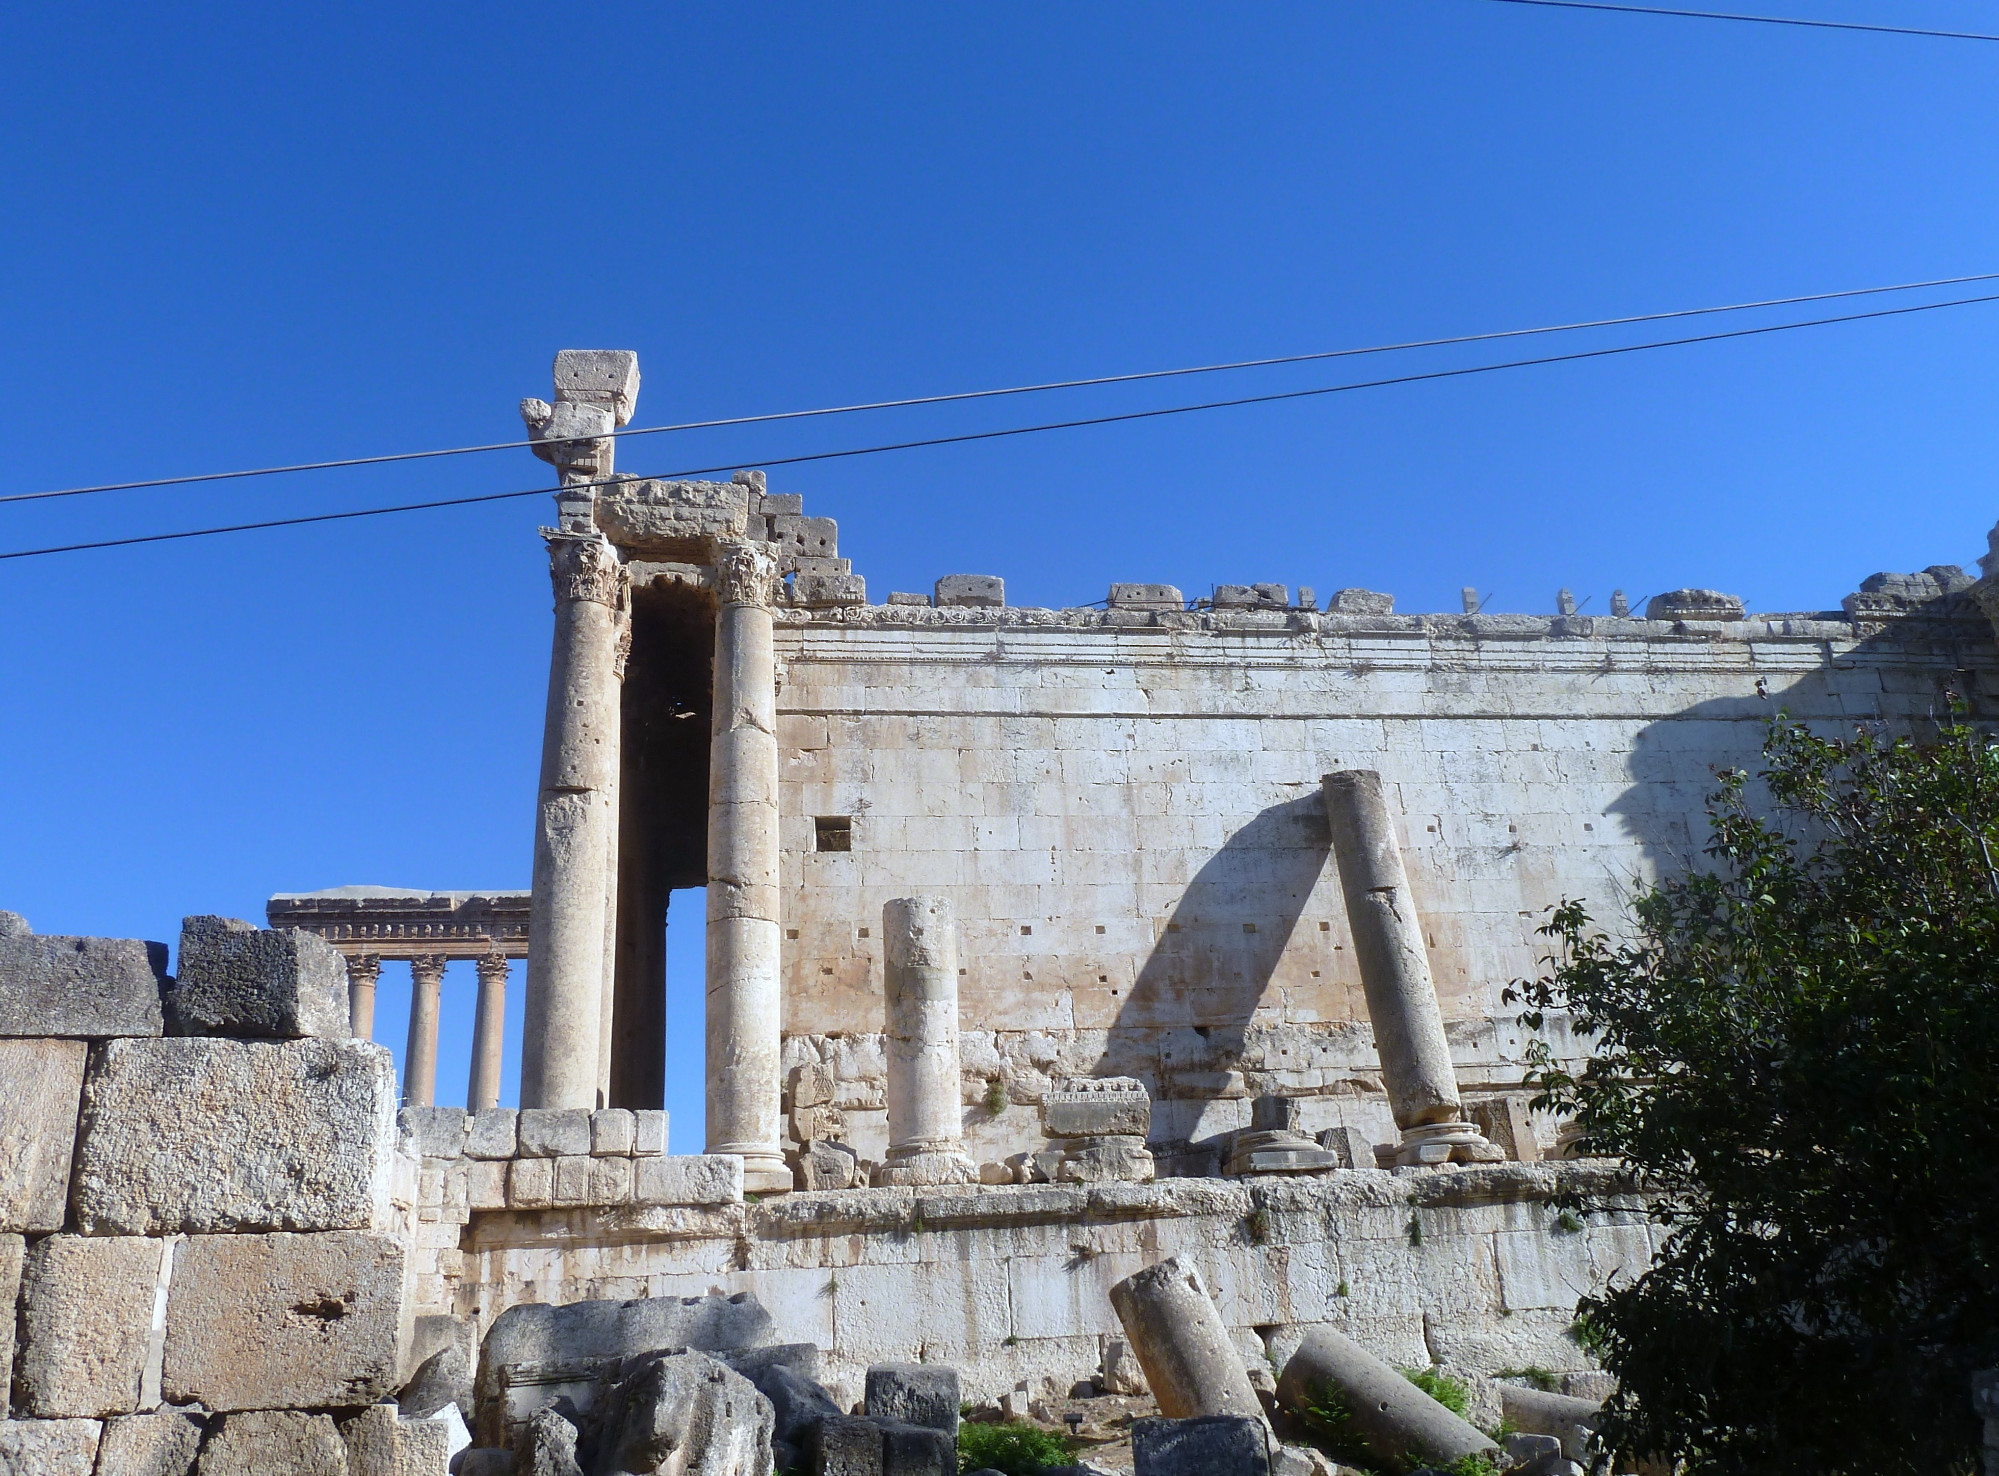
(746, 574)
(585, 569)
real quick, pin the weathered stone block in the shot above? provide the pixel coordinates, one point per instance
(685, 1412)
(1353, 1147)
(494, 1133)
(486, 1184)
(905, 597)
(88, 1344)
(689, 1179)
(546, 1446)
(572, 1180)
(649, 1133)
(611, 1132)
(162, 1444)
(380, 1443)
(531, 1183)
(1359, 602)
(975, 590)
(48, 1447)
(1208, 1445)
(535, 1354)
(824, 1165)
(914, 1394)
(238, 979)
(917, 1450)
(443, 1378)
(41, 1093)
(1110, 1160)
(13, 1250)
(432, 1132)
(669, 518)
(1090, 1107)
(1694, 604)
(1145, 597)
(554, 1132)
(274, 1443)
(847, 1446)
(606, 377)
(1506, 1124)
(284, 1321)
(92, 988)
(818, 590)
(198, 1136)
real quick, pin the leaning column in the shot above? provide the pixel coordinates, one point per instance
(489, 1034)
(925, 1114)
(420, 1056)
(745, 1008)
(1402, 1003)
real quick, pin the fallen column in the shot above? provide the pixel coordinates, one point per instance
(1402, 1004)
(1189, 1359)
(745, 1003)
(1395, 1420)
(920, 979)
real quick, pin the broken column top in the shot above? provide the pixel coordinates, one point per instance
(606, 377)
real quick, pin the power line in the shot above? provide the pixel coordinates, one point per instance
(1761, 20)
(1024, 389)
(1025, 430)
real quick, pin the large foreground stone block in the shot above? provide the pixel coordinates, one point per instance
(12, 1252)
(87, 1325)
(48, 1447)
(198, 1136)
(284, 1321)
(380, 1444)
(684, 1413)
(274, 1443)
(163, 1444)
(1211, 1445)
(41, 1092)
(535, 1354)
(89, 988)
(238, 979)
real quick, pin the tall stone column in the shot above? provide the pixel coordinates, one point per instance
(1402, 1003)
(745, 1009)
(575, 826)
(614, 767)
(420, 1058)
(925, 1111)
(363, 969)
(489, 1034)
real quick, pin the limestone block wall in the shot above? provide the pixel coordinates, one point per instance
(1123, 808)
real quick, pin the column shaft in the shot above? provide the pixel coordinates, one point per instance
(745, 1008)
(614, 786)
(920, 992)
(420, 1057)
(575, 825)
(363, 969)
(1388, 944)
(489, 1035)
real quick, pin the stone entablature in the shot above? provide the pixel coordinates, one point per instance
(392, 922)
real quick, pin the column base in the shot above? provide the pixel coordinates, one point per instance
(1446, 1142)
(764, 1169)
(925, 1168)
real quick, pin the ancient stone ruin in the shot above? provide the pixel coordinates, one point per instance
(1099, 1000)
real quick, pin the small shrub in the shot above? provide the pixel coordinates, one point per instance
(1015, 1449)
(1415, 1230)
(1445, 1390)
(1342, 1290)
(1541, 1378)
(996, 1097)
(1569, 1222)
(1257, 1225)
(1471, 1465)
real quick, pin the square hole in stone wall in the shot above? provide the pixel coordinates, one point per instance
(833, 833)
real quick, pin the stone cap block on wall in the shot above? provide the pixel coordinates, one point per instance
(905, 597)
(672, 518)
(41, 1093)
(1359, 602)
(606, 377)
(196, 1136)
(1097, 1106)
(83, 988)
(1694, 604)
(816, 591)
(1145, 597)
(971, 591)
(237, 979)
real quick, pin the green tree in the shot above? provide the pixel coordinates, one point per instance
(1796, 1054)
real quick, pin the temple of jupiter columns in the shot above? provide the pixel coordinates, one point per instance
(920, 990)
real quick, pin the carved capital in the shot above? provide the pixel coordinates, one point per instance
(623, 652)
(585, 569)
(746, 574)
(492, 969)
(364, 968)
(427, 970)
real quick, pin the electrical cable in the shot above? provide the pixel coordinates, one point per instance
(1024, 430)
(1761, 20)
(1024, 389)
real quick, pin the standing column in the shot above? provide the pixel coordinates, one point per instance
(607, 993)
(489, 1034)
(420, 1058)
(575, 826)
(925, 1109)
(363, 969)
(1402, 1003)
(744, 1004)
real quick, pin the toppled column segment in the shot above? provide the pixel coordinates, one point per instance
(1396, 1421)
(1395, 977)
(1183, 1345)
(925, 1122)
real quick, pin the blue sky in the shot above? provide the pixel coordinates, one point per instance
(245, 235)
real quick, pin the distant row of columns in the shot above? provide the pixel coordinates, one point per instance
(489, 1023)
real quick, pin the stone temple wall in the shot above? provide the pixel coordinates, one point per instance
(1124, 808)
